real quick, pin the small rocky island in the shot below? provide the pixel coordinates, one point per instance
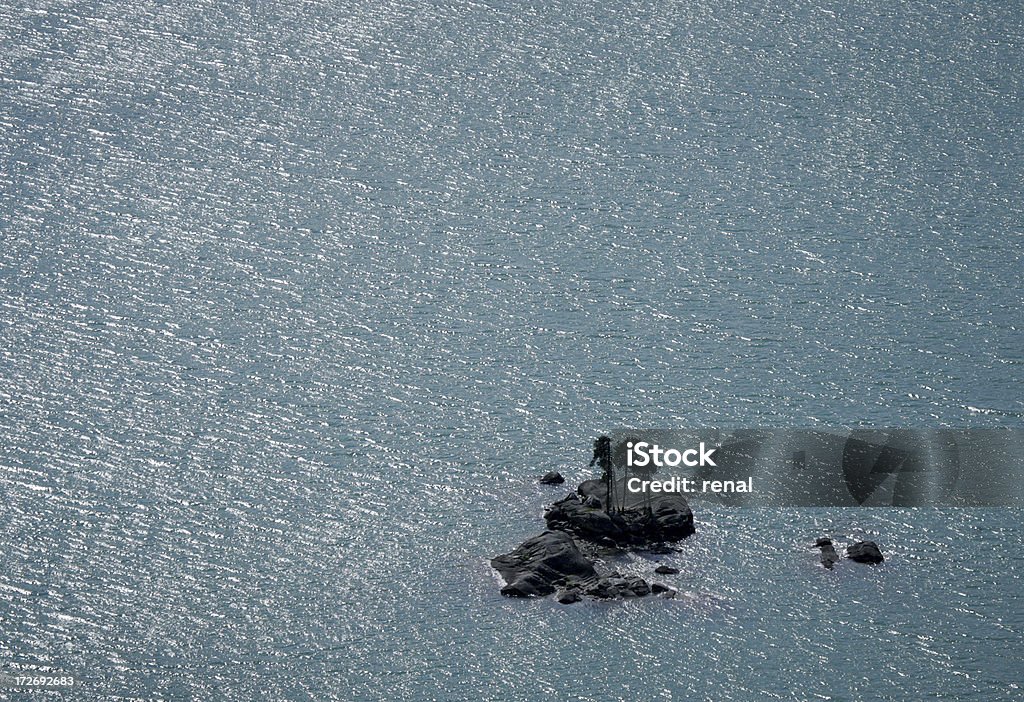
(582, 529)
(602, 519)
(859, 552)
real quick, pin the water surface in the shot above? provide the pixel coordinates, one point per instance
(297, 300)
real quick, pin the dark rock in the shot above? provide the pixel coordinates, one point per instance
(570, 582)
(586, 522)
(864, 552)
(638, 586)
(615, 586)
(657, 588)
(568, 596)
(673, 519)
(666, 570)
(592, 487)
(606, 588)
(581, 531)
(534, 567)
(664, 517)
(829, 557)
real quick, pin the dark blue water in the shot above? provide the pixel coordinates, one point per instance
(297, 300)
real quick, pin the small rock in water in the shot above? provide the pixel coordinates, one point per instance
(829, 557)
(534, 567)
(568, 596)
(666, 570)
(552, 478)
(658, 588)
(864, 552)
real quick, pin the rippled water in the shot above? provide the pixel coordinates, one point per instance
(297, 300)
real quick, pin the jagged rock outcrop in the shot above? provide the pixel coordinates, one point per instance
(539, 563)
(864, 552)
(662, 517)
(562, 560)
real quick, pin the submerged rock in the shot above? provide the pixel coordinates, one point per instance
(552, 478)
(661, 549)
(658, 588)
(666, 570)
(829, 557)
(864, 552)
(534, 567)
